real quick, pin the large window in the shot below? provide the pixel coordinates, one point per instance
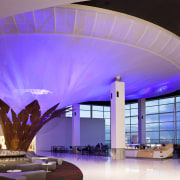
(107, 118)
(162, 120)
(103, 112)
(69, 112)
(177, 116)
(131, 123)
(85, 111)
(162, 124)
(94, 112)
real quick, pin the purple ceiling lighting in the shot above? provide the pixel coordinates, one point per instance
(71, 54)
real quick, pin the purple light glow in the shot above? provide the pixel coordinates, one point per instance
(79, 61)
(57, 68)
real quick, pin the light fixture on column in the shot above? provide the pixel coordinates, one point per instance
(118, 78)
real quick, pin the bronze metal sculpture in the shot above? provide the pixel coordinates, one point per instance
(20, 131)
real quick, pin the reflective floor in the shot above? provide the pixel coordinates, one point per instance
(104, 168)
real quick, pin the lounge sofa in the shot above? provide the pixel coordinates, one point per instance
(56, 159)
(49, 158)
(32, 156)
(30, 166)
(37, 165)
(29, 175)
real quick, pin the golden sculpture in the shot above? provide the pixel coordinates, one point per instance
(19, 132)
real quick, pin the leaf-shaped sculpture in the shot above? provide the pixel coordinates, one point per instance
(21, 130)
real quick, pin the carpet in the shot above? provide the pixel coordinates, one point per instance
(66, 171)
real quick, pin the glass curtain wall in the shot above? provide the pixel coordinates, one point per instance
(103, 112)
(94, 112)
(69, 113)
(162, 120)
(177, 115)
(131, 123)
(85, 111)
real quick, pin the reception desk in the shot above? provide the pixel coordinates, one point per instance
(162, 152)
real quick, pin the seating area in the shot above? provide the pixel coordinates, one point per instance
(93, 150)
(55, 168)
(58, 149)
(102, 150)
(34, 168)
(37, 165)
(29, 175)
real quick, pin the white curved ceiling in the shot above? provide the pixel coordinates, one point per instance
(71, 54)
(12, 7)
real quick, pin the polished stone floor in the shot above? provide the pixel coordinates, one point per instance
(104, 168)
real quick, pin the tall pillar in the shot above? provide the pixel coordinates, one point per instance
(118, 120)
(141, 121)
(75, 126)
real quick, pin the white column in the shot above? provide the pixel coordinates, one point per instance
(76, 125)
(141, 121)
(118, 120)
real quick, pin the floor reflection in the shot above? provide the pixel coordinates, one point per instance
(104, 168)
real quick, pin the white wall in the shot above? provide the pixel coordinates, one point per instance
(92, 131)
(59, 132)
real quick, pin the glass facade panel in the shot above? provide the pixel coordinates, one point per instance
(178, 125)
(127, 128)
(178, 116)
(152, 135)
(167, 141)
(108, 142)
(107, 108)
(107, 115)
(134, 133)
(167, 126)
(166, 117)
(178, 134)
(107, 122)
(127, 106)
(127, 120)
(85, 107)
(134, 112)
(134, 105)
(160, 119)
(152, 127)
(152, 118)
(107, 129)
(107, 136)
(97, 114)
(85, 114)
(131, 121)
(69, 114)
(166, 108)
(97, 108)
(166, 135)
(166, 100)
(152, 103)
(152, 110)
(152, 141)
(134, 120)
(127, 113)
(134, 128)
(177, 106)
(128, 138)
(178, 99)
